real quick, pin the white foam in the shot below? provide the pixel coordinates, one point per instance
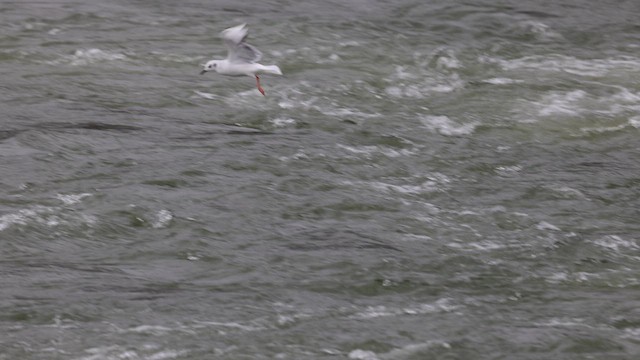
(19, 218)
(604, 129)
(576, 277)
(632, 334)
(282, 122)
(402, 74)
(167, 354)
(205, 95)
(422, 81)
(230, 325)
(345, 112)
(299, 155)
(120, 353)
(448, 63)
(485, 245)
(71, 199)
(567, 192)
(177, 58)
(372, 312)
(371, 150)
(43, 215)
(502, 81)
(399, 353)
(435, 182)
(508, 169)
(83, 57)
(577, 103)
(559, 103)
(569, 64)
(540, 31)
(151, 329)
(162, 219)
(394, 91)
(411, 349)
(445, 126)
(562, 322)
(615, 243)
(360, 354)
(543, 225)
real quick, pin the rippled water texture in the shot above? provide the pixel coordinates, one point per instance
(428, 180)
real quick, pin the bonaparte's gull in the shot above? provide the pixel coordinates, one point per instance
(241, 58)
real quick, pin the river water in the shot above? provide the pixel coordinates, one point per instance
(428, 180)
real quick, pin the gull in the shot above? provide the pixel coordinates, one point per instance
(241, 58)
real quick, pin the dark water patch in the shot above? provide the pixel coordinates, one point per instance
(332, 239)
(170, 183)
(7, 134)
(88, 126)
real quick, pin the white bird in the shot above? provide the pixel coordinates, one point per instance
(241, 57)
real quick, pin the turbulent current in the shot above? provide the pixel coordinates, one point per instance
(428, 180)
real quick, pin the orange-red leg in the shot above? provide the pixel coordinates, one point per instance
(259, 87)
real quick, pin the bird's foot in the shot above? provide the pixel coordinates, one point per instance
(259, 87)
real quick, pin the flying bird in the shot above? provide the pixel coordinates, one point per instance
(242, 58)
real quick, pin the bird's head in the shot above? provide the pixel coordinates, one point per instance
(210, 66)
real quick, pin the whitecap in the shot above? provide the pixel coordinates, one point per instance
(484, 245)
(569, 64)
(83, 57)
(615, 243)
(282, 122)
(120, 353)
(543, 225)
(151, 329)
(344, 112)
(71, 199)
(508, 169)
(42, 215)
(372, 312)
(230, 325)
(566, 192)
(562, 322)
(411, 349)
(580, 276)
(19, 218)
(604, 129)
(557, 103)
(445, 126)
(162, 219)
(371, 150)
(540, 30)
(502, 81)
(167, 354)
(360, 354)
(205, 95)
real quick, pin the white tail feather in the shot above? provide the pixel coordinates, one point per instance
(271, 69)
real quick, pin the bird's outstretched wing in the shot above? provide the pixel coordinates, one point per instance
(238, 50)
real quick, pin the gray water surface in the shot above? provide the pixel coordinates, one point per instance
(428, 180)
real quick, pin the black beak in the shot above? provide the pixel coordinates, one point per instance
(203, 72)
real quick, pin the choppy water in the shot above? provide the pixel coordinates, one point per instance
(429, 180)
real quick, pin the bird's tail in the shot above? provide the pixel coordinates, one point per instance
(271, 69)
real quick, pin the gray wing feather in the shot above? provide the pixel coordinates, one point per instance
(246, 53)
